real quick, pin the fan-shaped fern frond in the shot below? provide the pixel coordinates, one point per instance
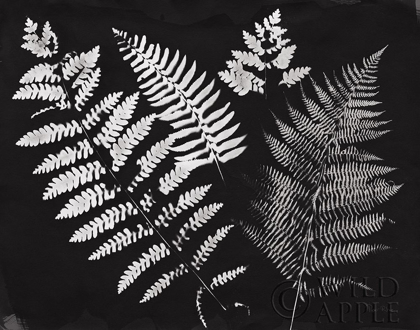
(327, 195)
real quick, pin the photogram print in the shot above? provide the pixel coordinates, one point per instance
(146, 187)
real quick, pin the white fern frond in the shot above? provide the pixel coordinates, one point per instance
(208, 246)
(43, 72)
(105, 106)
(225, 277)
(73, 65)
(268, 41)
(199, 218)
(117, 121)
(343, 254)
(121, 149)
(49, 134)
(65, 157)
(39, 46)
(88, 199)
(86, 89)
(72, 179)
(173, 85)
(41, 91)
(106, 221)
(198, 306)
(186, 200)
(294, 75)
(173, 179)
(349, 228)
(163, 283)
(121, 240)
(155, 253)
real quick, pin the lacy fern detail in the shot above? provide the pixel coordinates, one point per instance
(268, 49)
(310, 219)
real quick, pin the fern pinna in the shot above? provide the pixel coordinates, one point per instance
(311, 214)
(110, 129)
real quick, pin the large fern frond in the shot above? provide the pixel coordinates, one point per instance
(312, 214)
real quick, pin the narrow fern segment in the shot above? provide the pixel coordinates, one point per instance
(74, 178)
(225, 277)
(208, 246)
(173, 179)
(44, 46)
(155, 253)
(185, 201)
(86, 89)
(117, 121)
(333, 284)
(65, 157)
(164, 282)
(169, 82)
(43, 72)
(343, 254)
(200, 218)
(105, 106)
(106, 221)
(121, 149)
(198, 304)
(121, 240)
(40, 91)
(88, 199)
(50, 133)
(349, 228)
(74, 65)
(149, 162)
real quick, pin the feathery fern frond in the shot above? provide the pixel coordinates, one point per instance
(331, 187)
(163, 283)
(208, 246)
(120, 240)
(276, 55)
(105, 221)
(72, 179)
(225, 277)
(155, 253)
(88, 199)
(167, 81)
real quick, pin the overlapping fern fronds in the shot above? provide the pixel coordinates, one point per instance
(268, 49)
(198, 135)
(312, 212)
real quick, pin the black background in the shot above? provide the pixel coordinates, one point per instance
(50, 283)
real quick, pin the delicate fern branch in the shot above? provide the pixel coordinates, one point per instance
(242, 80)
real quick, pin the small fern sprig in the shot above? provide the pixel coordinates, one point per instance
(312, 215)
(267, 42)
